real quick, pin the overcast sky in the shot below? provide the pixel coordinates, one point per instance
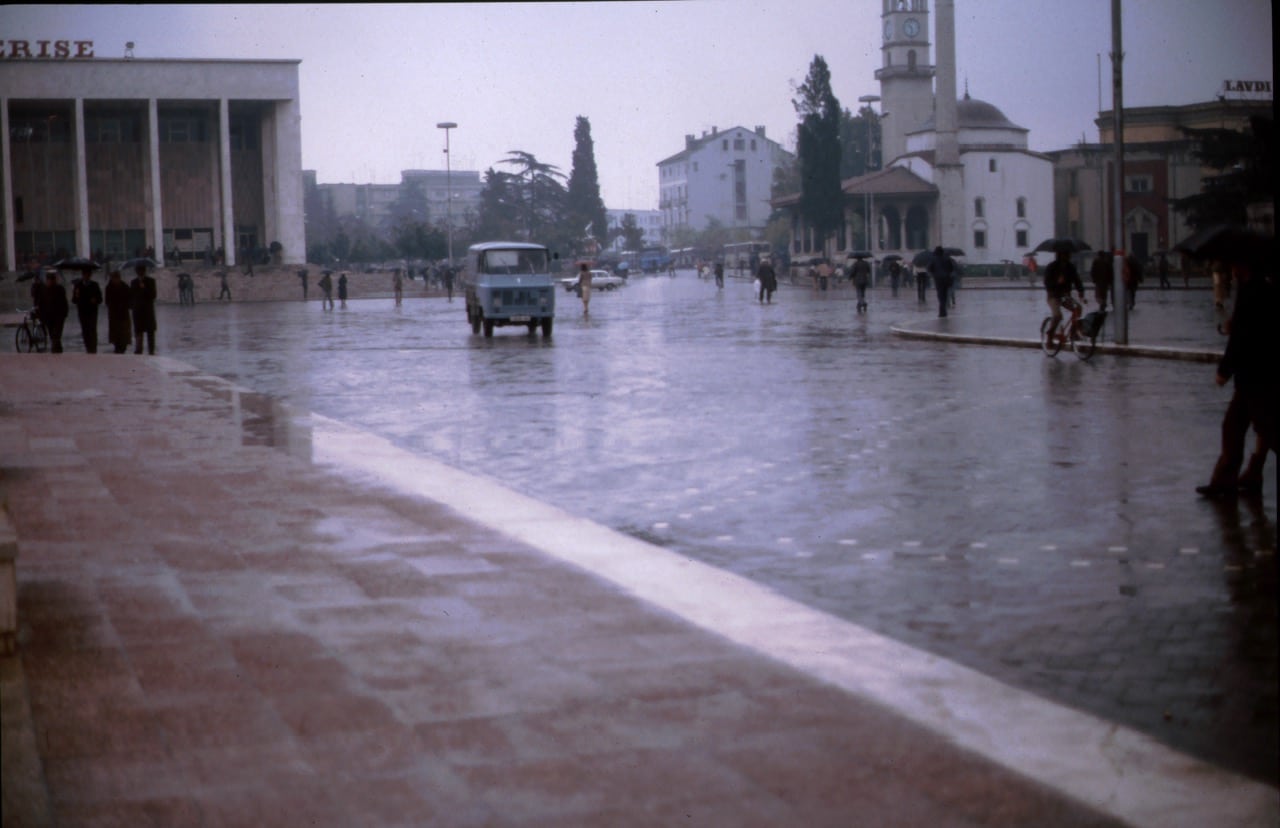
(376, 79)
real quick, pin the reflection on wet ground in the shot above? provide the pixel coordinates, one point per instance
(1031, 518)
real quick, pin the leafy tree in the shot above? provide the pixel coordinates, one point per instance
(859, 142)
(583, 205)
(1245, 162)
(818, 149)
(500, 206)
(541, 196)
(632, 233)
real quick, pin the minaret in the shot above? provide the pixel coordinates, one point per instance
(948, 171)
(905, 75)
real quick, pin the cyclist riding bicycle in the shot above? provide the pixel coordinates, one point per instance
(1059, 278)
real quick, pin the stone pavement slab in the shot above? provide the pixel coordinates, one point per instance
(232, 614)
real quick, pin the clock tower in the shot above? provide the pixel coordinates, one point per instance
(905, 75)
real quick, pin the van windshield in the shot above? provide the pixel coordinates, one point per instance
(513, 262)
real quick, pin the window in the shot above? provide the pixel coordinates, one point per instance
(739, 144)
(911, 60)
(1137, 184)
(979, 208)
(1022, 208)
(980, 239)
(991, 165)
(1022, 238)
(753, 145)
(724, 144)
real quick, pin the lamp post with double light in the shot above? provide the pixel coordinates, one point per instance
(448, 185)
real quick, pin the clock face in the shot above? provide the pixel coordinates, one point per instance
(888, 30)
(911, 28)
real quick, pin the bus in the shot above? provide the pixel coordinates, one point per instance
(654, 259)
(742, 255)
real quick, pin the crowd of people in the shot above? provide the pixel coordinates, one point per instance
(131, 307)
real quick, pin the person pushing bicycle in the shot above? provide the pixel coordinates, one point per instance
(1059, 278)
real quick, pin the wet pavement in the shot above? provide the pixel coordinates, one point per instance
(1032, 519)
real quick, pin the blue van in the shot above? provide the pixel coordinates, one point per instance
(509, 283)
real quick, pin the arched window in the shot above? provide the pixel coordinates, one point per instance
(911, 59)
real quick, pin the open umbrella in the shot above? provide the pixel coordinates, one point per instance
(861, 254)
(922, 258)
(77, 263)
(1070, 245)
(1225, 242)
(145, 261)
(892, 257)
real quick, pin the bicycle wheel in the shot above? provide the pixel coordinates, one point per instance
(39, 338)
(1050, 343)
(1083, 346)
(22, 340)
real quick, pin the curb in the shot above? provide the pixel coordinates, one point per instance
(1149, 351)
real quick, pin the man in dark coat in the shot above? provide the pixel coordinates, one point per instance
(142, 292)
(87, 296)
(118, 324)
(941, 270)
(768, 280)
(1248, 359)
(53, 310)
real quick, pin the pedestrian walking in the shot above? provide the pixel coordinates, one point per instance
(719, 272)
(225, 288)
(342, 289)
(87, 296)
(397, 286)
(53, 310)
(1132, 278)
(1100, 274)
(117, 300)
(861, 276)
(1162, 268)
(142, 294)
(448, 281)
(942, 271)
(302, 275)
(584, 288)
(326, 288)
(895, 276)
(768, 278)
(1248, 360)
(922, 285)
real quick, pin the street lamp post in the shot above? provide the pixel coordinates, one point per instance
(448, 185)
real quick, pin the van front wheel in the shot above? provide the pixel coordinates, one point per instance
(546, 327)
(488, 326)
(474, 318)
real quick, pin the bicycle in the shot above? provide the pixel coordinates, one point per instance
(31, 335)
(1081, 332)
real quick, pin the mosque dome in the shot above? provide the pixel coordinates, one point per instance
(972, 113)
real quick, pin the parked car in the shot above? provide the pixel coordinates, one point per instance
(600, 280)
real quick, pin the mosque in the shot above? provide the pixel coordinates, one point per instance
(958, 172)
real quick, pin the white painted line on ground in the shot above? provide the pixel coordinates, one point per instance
(1112, 768)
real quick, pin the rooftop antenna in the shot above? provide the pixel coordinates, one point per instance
(128, 50)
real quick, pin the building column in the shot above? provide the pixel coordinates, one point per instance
(6, 191)
(224, 182)
(156, 218)
(286, 213)
(80, 177)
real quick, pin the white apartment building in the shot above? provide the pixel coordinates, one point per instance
(723, 175)
(649, 221)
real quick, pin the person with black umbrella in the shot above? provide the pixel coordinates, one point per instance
(1248, 360)
(942, 271)
(86, 295)
(142, 292)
